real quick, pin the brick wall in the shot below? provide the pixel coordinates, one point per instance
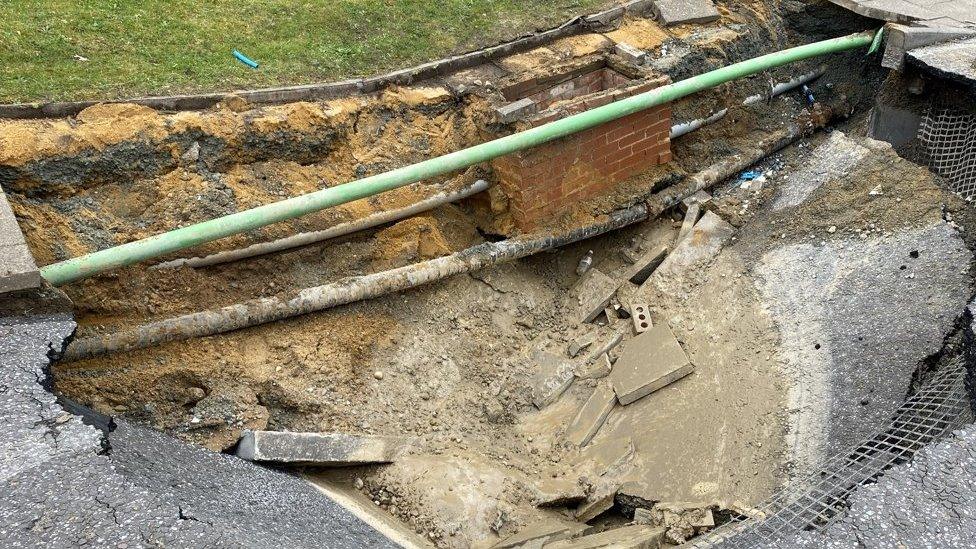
(548, 181)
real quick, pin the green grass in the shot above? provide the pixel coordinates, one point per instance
(139, 47)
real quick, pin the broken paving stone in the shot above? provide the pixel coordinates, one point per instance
(691, 217)
(675, 12)
(558, 492)
(648, 363)
(324, 449)
(595, 369)
(554, 375)
(590, 295)
(700, 198)
(598, 503)
(630, 53)
(645, 265)
(592, 415)
(582, 342)
(539, 533)
(627, 537)
(707, 239)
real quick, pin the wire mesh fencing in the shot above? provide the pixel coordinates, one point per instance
(948, 147)
(820, 498)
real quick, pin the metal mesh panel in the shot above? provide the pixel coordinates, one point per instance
(948, 147)
(815, 501)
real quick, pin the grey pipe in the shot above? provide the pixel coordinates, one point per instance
(304, 239)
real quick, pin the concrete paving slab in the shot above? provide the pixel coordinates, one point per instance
(590, 295)
(600, 501)
(319, 449)
(647, 363)
(628, 537)
(592, 415)
(691, 217)
(539, 533)
(554, 374)
(676, 12)
(645, 265)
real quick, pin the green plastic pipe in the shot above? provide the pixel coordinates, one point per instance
(193, 235)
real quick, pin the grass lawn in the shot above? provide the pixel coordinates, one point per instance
(136, 47)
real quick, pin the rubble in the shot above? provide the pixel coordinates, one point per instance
(320, 449)
(681, 521)
(592, 415)
(648, 363)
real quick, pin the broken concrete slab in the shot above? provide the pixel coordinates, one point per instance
(630, 53)
(648, 363)
(590, 295)
(598, 503)
(691, 217)
(627, 537)
(558, 492)
(321, 449)
(644, 266)
(707, 239)
(951, 61)
(516, 110)
(553, 376)
(676, 12)
(642, 318)
(539, 533)
(701, 198)
(577, 345)
(592, 415)
(899, 39)
(595, 369)
(18, 271)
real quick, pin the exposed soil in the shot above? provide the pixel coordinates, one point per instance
(446, 365)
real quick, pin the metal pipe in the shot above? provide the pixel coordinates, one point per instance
(304, 239)
(214, 229)
(350, 290)
(687, 127)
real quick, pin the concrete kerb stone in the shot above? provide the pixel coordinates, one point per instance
(18, 271)
(320, 449)
(675, 12)
(899, 39)
(630, 53)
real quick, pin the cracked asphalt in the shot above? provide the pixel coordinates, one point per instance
(66, 483)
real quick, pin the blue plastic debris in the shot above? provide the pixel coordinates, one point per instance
(748, 176)
(245, 59)
(808, 93)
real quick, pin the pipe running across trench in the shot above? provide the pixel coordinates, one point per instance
(85, 266)
(350, 290)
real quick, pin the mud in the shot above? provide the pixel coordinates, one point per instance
(454, 356)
